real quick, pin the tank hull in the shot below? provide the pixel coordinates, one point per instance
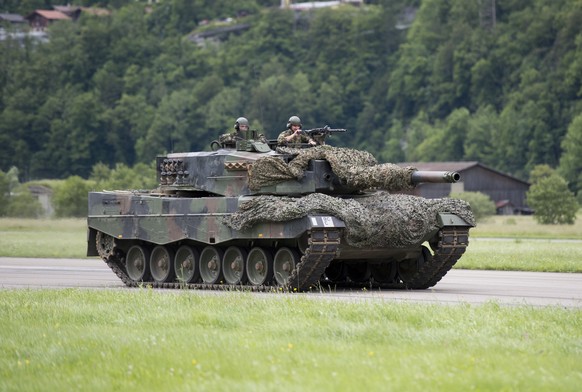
(315, 246)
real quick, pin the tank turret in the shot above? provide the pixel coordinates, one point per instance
(250, 214)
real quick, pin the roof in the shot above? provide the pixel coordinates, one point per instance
(454, 166)
(50, 15)
(458, 166)
(12, 18)
(308, 5)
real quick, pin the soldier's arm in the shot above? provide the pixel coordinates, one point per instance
(281, 139)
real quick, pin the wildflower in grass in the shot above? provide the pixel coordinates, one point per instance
(290, 346)
(194, 362)
(370, 353)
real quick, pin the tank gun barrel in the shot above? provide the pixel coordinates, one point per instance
(419, 176)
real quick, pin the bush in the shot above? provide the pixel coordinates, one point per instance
(481, 204)
(71, 197)
(140, 176)
(22, 204)
(552, 201)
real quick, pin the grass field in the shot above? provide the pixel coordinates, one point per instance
(55, 340)
(521, 226)
(142, 339)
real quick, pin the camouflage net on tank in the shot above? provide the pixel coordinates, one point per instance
(355, 168)
(379, 220)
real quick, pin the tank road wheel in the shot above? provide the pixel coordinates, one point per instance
(259, 266)
(358, 272)
(284, 262)
(136, 263)
(105, 245)
(210, 264)
(186, 265)
(384, 272)
(408, 269)
(233, 265)
(335, 272)
(162, 264)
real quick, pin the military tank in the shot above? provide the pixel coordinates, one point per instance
(250, 215)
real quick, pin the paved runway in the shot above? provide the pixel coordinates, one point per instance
(458, 286)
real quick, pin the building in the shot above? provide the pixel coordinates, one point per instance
(40, 19)
(310, 5)
(44, 196)
(507, 192)
(12, 20)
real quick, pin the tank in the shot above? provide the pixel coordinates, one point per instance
(253, 216)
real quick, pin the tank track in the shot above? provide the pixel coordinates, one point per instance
(323, 247)
(448, 249)
(451, 245)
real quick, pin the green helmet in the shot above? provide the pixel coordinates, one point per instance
(241, 121)
(293, 120)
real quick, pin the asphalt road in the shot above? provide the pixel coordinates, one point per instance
(458, 286)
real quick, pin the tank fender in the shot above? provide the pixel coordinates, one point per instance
(447, 219)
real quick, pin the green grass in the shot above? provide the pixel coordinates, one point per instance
(522, 255)
(52, 238)
(157, 340)
(520, 226)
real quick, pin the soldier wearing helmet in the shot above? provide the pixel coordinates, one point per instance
(293, 135)
(241, 132)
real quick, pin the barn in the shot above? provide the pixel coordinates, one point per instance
(507, 192)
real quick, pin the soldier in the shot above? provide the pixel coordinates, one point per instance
(241, 126)
(293, 135)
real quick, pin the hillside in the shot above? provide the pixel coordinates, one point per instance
(499, 84)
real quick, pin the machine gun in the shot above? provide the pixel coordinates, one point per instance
(324, 131)
(320, 134)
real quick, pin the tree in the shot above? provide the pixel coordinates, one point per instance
(571, 160)
(551, 199)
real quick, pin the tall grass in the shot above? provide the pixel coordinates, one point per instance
(192, 341)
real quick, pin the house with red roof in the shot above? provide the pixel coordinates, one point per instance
(40, 19)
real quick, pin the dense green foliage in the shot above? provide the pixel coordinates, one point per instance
(16, 199)
(23, 204)
(456, 85)
(550, 197)
(481, 204)
(70, 196)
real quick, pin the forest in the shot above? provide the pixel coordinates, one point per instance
(494, 81)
